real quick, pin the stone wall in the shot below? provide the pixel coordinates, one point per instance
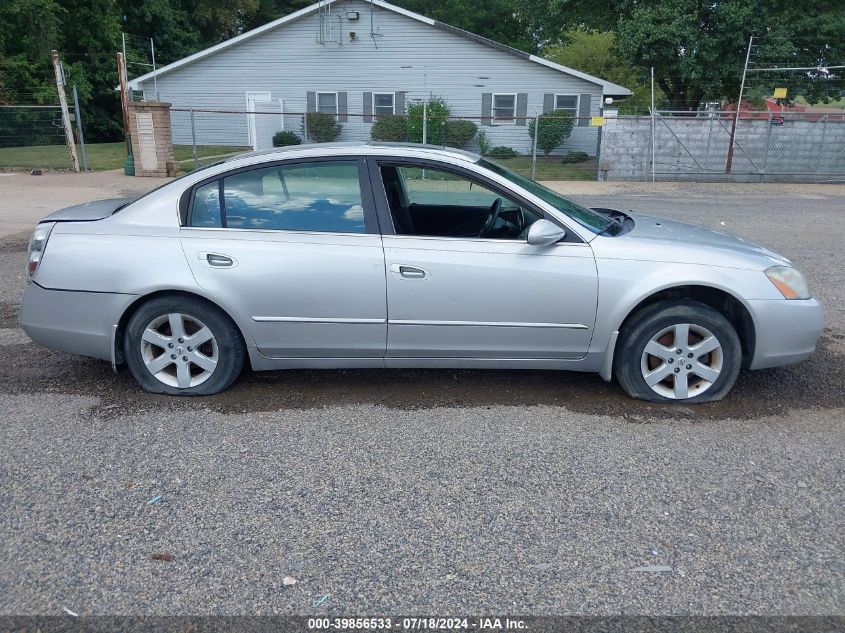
(152, 143)
(695, 148)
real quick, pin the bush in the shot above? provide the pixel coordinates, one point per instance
(437, 112)
(502, 152)
(575, 157)
(283, 138)
(460, 133)
(323, 127)
(554, 129)
(483, 143)
(390, 129)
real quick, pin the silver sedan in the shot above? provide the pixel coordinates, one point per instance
(329, 256)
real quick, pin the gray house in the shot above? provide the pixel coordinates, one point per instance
(361, 59)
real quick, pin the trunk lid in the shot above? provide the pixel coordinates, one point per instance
(88, 211)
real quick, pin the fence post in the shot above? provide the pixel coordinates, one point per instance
(194, 139)
(709, 136)
(534, 147)
(652, 124)
(821, 144)
(79, 129)
(653, 132)
(305, 126)
(766, 149)
(425, 122)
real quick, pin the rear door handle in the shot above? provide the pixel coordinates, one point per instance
(408, 272)
(219, 261)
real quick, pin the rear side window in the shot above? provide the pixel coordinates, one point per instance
(323, 197)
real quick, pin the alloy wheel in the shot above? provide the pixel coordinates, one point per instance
(179, 350)
(682, 361)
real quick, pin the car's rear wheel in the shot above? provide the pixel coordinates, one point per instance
(183, 346)
(678, 351)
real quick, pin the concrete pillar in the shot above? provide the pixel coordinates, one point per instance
(152, 140)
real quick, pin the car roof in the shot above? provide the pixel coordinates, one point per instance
(327, 149)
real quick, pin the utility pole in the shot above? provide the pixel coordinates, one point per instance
(60, 87)
(729, 161)
(129, 165)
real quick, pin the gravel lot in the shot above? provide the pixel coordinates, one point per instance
(436, 491)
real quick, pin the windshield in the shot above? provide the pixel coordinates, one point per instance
(584, 216)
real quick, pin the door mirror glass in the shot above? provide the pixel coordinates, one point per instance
(543, 232)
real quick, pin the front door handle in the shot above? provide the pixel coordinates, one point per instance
(408, 272)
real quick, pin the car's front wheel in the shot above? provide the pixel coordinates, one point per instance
(678, 351)
(183, 346)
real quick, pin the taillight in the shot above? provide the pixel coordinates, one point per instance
(36, 247)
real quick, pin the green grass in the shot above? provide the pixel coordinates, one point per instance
(550, 168)
(100, 155)
(113, 155)
(836, 103)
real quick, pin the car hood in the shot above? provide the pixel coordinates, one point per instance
(669, 240)
(88, 211)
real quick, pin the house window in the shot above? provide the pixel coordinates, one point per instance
(327, 102)
(504, 108)
(568, 104)
(384, 104)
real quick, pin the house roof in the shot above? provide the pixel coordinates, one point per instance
(608, 88)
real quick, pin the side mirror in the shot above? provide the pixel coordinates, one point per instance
(543, 232)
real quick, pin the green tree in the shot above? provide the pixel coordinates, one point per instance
(90, 35)
(552, 131)
(494, 19)
(595, 53)
(436, 114)
(269, 10)
(30, 29)
(697, 48)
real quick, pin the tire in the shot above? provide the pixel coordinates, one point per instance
(156, 358)
(659, 373)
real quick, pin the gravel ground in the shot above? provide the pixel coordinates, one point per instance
(435, 491)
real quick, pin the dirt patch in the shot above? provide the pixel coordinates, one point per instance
(9, 314)
(816, 383)
(18, 243)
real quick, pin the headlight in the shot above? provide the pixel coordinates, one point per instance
(790, 282)
(37, 245)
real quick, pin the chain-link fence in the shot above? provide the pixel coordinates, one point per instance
(28, 125)
(545, 148)
(33, 137)
(767, 146)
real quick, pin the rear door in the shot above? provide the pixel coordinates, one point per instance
(294, 248)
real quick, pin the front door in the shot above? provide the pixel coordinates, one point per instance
(462, 281)
(294, 249)
(256, 102)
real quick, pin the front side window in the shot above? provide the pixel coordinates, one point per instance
(324, 197)
(567, 103)
(584, 216)
(383, 104)
(504, 108)
(327, 102)
(444, 203)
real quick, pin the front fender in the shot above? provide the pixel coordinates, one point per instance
(624, 284)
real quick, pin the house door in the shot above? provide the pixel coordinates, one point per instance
(256, 102)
